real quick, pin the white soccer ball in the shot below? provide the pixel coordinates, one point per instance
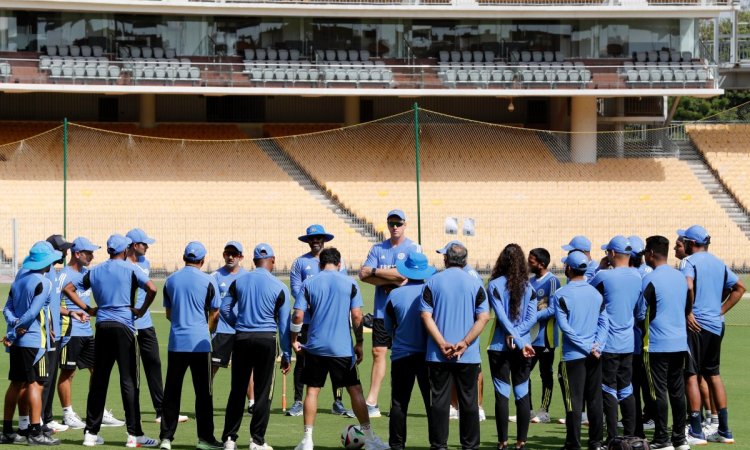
(352, 437)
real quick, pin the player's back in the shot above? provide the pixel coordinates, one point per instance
(189, 293)
(29, 293)
(710, 277)
(621, 289)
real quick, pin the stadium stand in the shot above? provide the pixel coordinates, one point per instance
(725, 149)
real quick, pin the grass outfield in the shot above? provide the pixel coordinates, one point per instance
(285, 432)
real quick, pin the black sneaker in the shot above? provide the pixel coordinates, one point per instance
(42, 439)
(661, 446)
(12, 438)
(251, 409)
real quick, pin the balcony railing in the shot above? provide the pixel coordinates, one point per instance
(514, 3)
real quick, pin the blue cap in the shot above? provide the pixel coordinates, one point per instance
(262, 251)
(398, 213)
(580, 243)
(315, 230)
(444, 250)
(577, 260)
(137, 236)
(695, 233)
(81, 244)
(234, 244)
(636, 245)
(415, 267)
(41, 255)
(618, 244)
(117, 243)
(194, 251)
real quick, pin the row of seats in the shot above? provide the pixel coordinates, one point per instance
(326, 75)
(509, 76)
(342, 55)
(5, 71)
(667, 76)
(270, 54)
(250, 65)
(627, 65)
(466, 56)
(567, 65)
(536, 56)
(663, 56)
(92, 73)
(75, 50)
(46, 62)
(132, 51)
(166, 73)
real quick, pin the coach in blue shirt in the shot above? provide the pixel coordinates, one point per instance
(454, 312)
(263, 306)
(709, 280)
(189, 297)
(661, 313)
(113, 284)
(404, 323)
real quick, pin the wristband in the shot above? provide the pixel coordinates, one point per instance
(295, 327)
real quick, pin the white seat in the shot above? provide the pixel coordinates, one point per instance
(537, 56)
(549, 56)
(97, 51)
(477, 56)
(62, 50)
(283, 55)
(341, 55)
(260, 54)
(158, 52)
(52, 50)
(195, 73)
(147, 52)
(455, 56)
(170, 53)
(466, 56)
(85, 50)
(272, 54)
(444, 56)
(330, 55)
(294, 54)
(135, 52)
(364, 55)
(353, 55)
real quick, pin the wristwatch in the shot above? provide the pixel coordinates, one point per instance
(374, 269)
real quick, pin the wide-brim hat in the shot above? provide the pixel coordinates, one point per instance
(415, 267)
(41, 255)
(315, 230)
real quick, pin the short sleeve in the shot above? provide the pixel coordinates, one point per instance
(425, 303)
(300, 302)
(730, 279)
(216, 295)
(167, 298)
(688, 269)
(356, 300)
(481, 304)
(372, 257)
(140, 277)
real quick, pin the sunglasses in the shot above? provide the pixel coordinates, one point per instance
(232, 254)
(395, 224)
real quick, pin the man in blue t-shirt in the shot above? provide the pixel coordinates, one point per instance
(404, 323)
(190, 296)
(454, 310)
(582, 319)
(263, 308)
(330, 299)
(583, 244)
(709, 280)
(621, 287)
(304, 267)
(113, 284)
(661, 314)
(380, 270)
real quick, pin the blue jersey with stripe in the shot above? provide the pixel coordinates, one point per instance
(661, 307)
(72, 327)
(504, 325)
(582, 318)
(403, 321)
(26, 308)
(545, 286)
(304, 267)
(224, 279)
(190, 294)
(621, 288)
(145, 321)
(384, 256)
(710, 278)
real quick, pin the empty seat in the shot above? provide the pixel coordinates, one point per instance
(679, 75)
(195, 73)
(249, 54)
(687, 56)
(674, 56)
(170, 53)
(489, 56)
(97, 51)
(632, 76)
(667, 75)
(283, 55)
(575, 76)
(525, 56)
(330, 55)
(85, 50)
(549, 56)
(455, 56)
(478, 56)
(463, 75)
(466, 56)
(272, 54)
(62, 50)
(158, 52)
(341, 55)
(135, 52)
(702, 75)
(663, 56)
(562, 75)
(294, 54)
(653, 56)
(443, 56)
(147, 52)
(52, 50)
(537, 56)
(656, 75)
(260, 54)
(102, 72)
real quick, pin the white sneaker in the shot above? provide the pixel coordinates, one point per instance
(561, 420)
(108, 420)
(649, 424)
(140, 441)
(57, 427)
(513, 419)
(482, 415)
(541, 417)
(166, 444)
(304, 444)
(73, 420)
(91, 440)
(230, 444)
(375, 444)
(180, 419)
(694, 440)
(721, 437)
(453, 413)
(584, 419)
(254, 446)
(373, 410)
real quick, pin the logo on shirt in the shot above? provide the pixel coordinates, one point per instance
(540, 293)
(308, 268)
(401, 255)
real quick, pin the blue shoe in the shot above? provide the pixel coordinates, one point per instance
(695, 439)
(338, 408)
(296, 409)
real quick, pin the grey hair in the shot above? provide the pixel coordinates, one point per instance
(456, 256)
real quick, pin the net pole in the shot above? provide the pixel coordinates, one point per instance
(65, 177)
(416, 150)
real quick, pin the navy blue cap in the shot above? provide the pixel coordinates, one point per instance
(139, 236)
(81, 244)
(444, 250)
(415, 267)
(117, 243)
(397, 213)
(577, 260)
(695, 233)
(59, 243)
(581, 243)
(194, 251)
(262, 251)
(234, 244)
(618, 244)
(315, 230)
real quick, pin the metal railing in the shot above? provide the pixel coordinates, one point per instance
(598, 3)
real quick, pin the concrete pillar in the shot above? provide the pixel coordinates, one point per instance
(583, 125)
(351, 110)
(620, 127)
(147, 116)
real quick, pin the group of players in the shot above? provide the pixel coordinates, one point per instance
(629, 323)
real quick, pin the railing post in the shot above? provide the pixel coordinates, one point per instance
(416, 151)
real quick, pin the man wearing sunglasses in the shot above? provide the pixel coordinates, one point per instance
(380, 270)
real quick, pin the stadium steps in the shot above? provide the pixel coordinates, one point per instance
(298, 174)
(713, 184)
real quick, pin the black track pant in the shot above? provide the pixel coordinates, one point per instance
(48, 394)
(252, 353)
(200, 371)
(299, 386)
(114, 342)
(582, 381)
(510, 372)
(148, 347)
(464, 377)
(645, 408)
(617, 376)
(404, 372)
(546, 359)
(666, 381)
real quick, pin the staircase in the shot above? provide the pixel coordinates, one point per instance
(713, 184)
(298, 174)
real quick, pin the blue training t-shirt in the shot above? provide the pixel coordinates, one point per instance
(403, 321)
(224, 279)
(504, 325)
(548, 331)
(621, 289)
(70, 326)
(54, 304)
(143, 322)
(26, 308)
(190, 294)
(644, 270)
(710, 278)
(328, 299)
(455, 299)
(304, 267)
(582, 318)
(662, 308)
(384, 256)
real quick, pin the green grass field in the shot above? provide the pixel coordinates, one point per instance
(285, 432)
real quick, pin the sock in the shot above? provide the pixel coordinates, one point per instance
(250, 402)
(714, 419)
(35, 429)
(695, 423)
(308, 432)
(68, 410)
(367, 430)
(7, 426)
(23, 422)
(723, 419)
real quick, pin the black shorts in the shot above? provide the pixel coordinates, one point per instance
(221, 349)
(704, 352)
(22, 366)
(78, 353)
(380, 337)
(343, 371)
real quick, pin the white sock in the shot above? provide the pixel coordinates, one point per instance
(250, 402)
(23, 422)
(714, 419)
(308, 432)
(367, 430)
(68, 410)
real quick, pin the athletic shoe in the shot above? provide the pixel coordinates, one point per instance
(661, 446)
(56, 426)
(584, 419)
(73, 420)
(350, 414)
(338, 408)
(453, 413)
(254, 446)
(482, 415)
(42, 439)
(108, 420)
(541, 417)
(180, 419)
(140, 441)
(722, 437)
(710, 428)
(561, 420)
(250, 408)
(683, 446)
(693, 439)
(305, 444)
(12, 438)
(166, 444)
(619, 424)
(373, 411)
(375, 444)
(513, 419)
(213, 444)
(230, 444)
(90, 440)
(295, 410)
(649, 424)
